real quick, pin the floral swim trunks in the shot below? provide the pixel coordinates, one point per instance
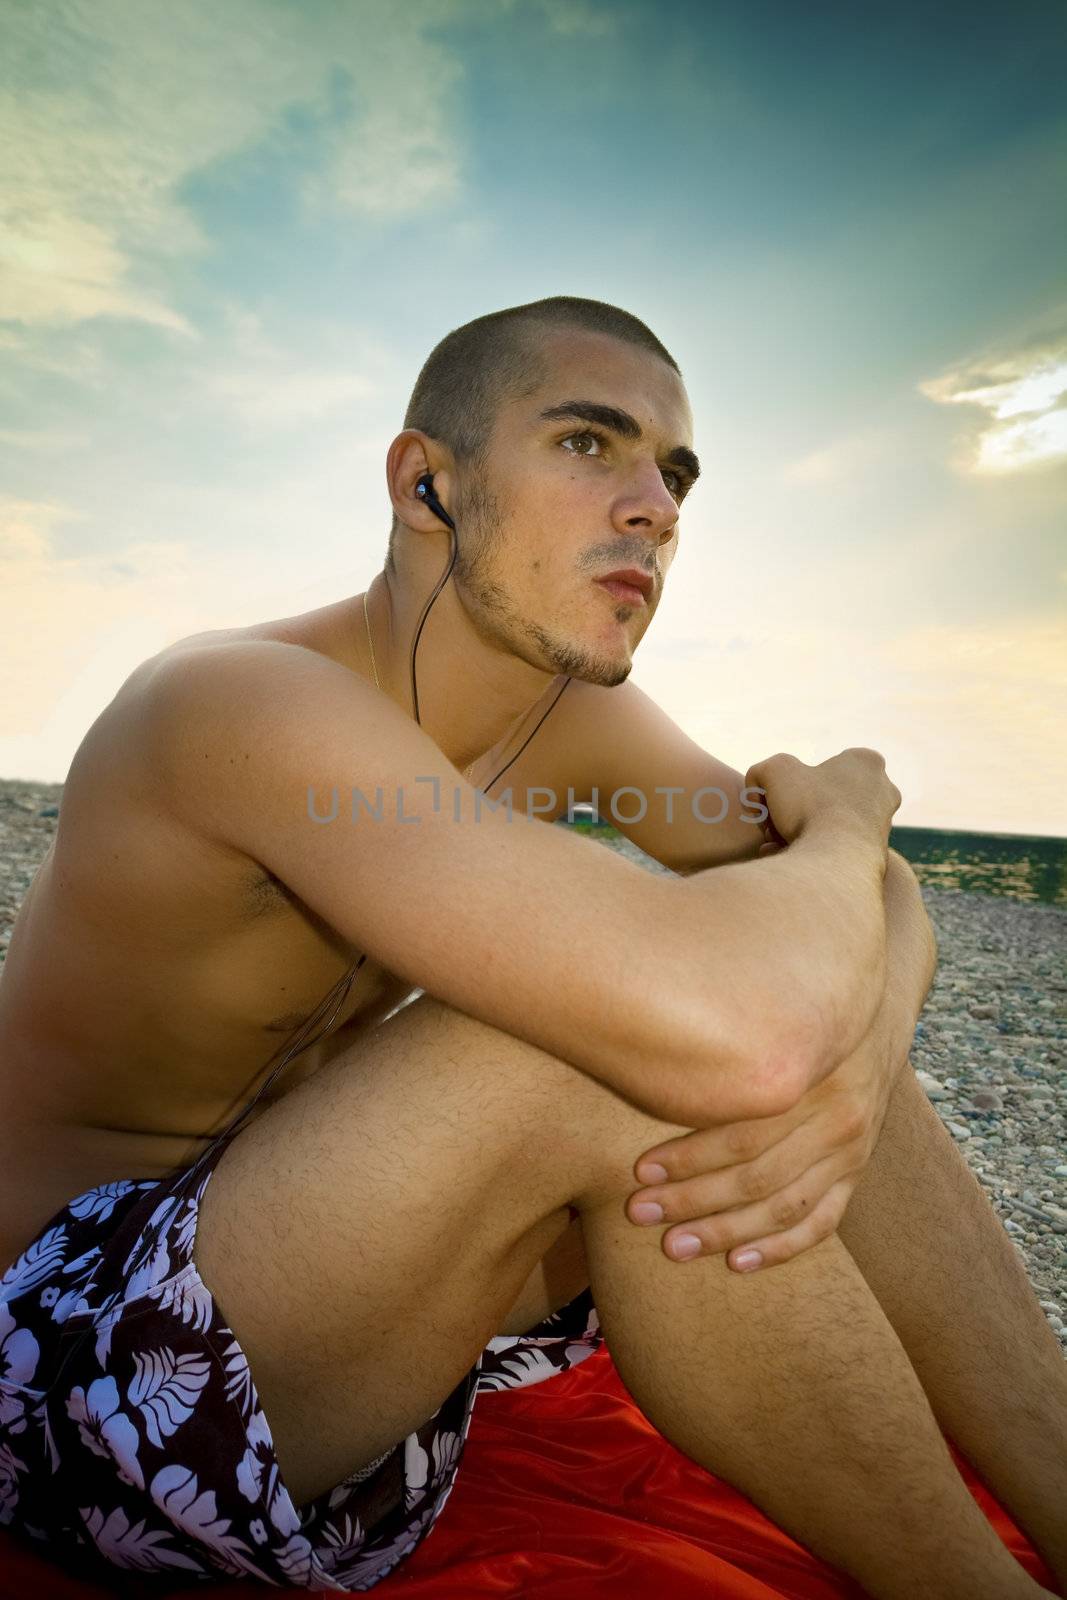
(131, 1434)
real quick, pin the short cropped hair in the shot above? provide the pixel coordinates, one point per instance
(496, 358)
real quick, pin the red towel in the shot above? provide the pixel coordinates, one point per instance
(566, 1492)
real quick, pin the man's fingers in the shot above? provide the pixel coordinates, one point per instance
(775, 1249)
(799, 1205)
(779, 1148)
(712, 1193)
(710, 1149)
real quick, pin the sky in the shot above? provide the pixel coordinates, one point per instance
(231, 234)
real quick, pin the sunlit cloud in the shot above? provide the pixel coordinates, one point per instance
(98, 136)
(1024, 396)
(1038, 439)
(61, 269)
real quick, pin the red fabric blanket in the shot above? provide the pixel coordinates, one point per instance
(565, 1491)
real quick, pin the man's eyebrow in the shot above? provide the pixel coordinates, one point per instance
(619, 422)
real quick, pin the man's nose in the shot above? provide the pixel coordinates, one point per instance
(656, 511)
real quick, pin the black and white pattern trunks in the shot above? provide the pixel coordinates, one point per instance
(131, 1434)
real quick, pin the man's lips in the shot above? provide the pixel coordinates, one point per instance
(629, 584)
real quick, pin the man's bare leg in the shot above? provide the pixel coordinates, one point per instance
(929, 1244)
(395, 1204)
(792, 1385)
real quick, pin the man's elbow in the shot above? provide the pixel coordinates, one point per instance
(766, 1068)
(791, 1059)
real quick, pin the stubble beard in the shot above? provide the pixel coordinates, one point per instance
(493, 614)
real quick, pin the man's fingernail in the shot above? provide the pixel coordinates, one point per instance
(746, 1260)
(646, 1211)
(652, 1172)
(684, 1245)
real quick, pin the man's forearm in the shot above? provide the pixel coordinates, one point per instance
(799, 954)
(910, 964)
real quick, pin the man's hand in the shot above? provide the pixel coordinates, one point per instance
(776, 1185)
(851, 790)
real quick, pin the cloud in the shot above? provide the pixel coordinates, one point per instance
(107, 109)
(81, 360)
(1038, 439)
(1024, 393)
(62, 269)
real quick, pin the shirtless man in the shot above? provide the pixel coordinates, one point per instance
(426, 1177)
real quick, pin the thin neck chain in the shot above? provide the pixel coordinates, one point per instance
(370, 641)
(374, 665)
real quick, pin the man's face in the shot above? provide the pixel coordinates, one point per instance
(564, 500)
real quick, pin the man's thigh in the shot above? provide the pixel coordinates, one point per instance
(370, 1233)
(560, 1275)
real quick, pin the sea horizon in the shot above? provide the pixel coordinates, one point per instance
(1017, 866)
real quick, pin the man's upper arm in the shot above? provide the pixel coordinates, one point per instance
(622, 740)
(520, 925)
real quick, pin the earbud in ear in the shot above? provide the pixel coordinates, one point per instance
(424, 490)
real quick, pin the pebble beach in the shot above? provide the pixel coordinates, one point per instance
(989, 1047)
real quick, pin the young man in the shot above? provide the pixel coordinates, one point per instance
(275, 835)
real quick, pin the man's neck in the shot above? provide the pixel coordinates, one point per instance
(472, 695)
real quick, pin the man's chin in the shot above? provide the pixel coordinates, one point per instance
(606, 671)
(574, 660)
(611, 674)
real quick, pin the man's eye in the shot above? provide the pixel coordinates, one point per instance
(598, 438)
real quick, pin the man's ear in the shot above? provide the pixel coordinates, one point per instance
(411, 455)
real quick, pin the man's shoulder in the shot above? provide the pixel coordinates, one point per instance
(205, 670)
(217, 718)
(131, 826)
